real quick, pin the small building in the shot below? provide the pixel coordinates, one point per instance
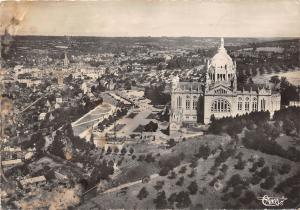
(33, 182)
(42, 116)
(11, 163)
(294, 103)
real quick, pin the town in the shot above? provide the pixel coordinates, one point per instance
(87, 118)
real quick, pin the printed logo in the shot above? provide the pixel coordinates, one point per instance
(272, 201)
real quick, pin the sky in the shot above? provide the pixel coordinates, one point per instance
(198, 18)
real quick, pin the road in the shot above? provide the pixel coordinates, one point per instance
(129, 184)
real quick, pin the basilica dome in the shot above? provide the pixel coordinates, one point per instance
(222, 59)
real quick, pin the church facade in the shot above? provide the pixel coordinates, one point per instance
(219, 93)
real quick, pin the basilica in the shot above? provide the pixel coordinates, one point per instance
(219, 95)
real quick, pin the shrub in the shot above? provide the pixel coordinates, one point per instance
(203, 191)
(255, 179)
(221, 176)
(248, 197)
(224, 168)
(183, 200)
(109, 150)
(131, 150)
(194, 163)
(149, 158)
(159, 185)
(193, 188)
(116, 150)
(268, 183)
(172, 199)
(123, 151)
(181, 156)
(285, 168)
(237, 191)
(182, 170)
(254, 167)
(160, 200)
(223, 156)
(141, 158)
(172, 175)
(265, 172)
(239, 155)
(171, 143)
(234, 180)
(213, 170)
(240, 165)
(180, 181)
(204, 152)
(225, 197)
(212, 182)
(170, 162)
(133, 157)
(261, 162)
(143, 193)
(192, 174)
(164, 171)
(119, 162)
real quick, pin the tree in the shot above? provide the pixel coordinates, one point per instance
(275, 80)
(172, 175)
(285, 168)
(149, 158)
(171, 143)
(57, 147)
(261, 162)
(240, 165)
(265, 172)
(268, 183)
(151, 127)
(109, 150)
(143, 193)
(182, 170)
(180, 181)
(164, 171)
(116, 150)
(204, 152)
(183, 200)
(160, 201)
(159, 185)
(248, 197)
(200, 109)
(234, 180)
(123, 151)
(172, 198)
(131, 150)
(255, 179)
(193, 188)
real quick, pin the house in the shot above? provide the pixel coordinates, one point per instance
(42, 116)
(11, 163)
(33, 182)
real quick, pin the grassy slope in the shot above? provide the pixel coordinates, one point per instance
(211, 198)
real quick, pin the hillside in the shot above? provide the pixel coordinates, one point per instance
(231, 177)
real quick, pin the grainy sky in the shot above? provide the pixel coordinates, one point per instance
(228, 18)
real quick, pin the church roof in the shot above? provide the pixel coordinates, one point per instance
(221, 58)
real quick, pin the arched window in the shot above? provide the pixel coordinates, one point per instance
(240, 104)
(247, 106)
(263, 104)
(254, 104)
(179, 102)
(220, 105)
(188, 102)
(195, 101)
